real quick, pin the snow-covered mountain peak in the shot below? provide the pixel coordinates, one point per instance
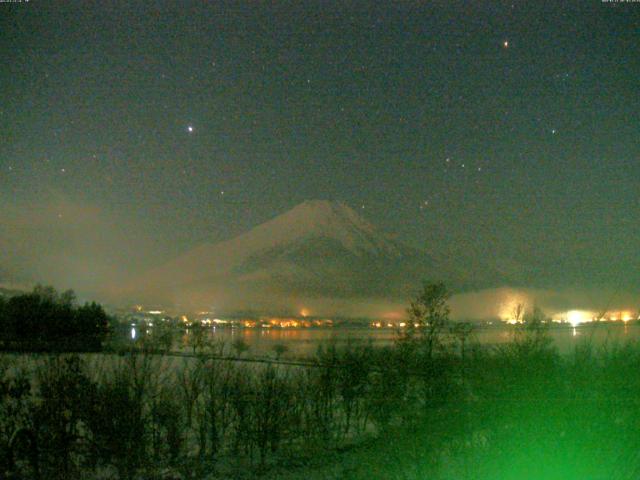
(320, 218)
(303, 225)
(316, 248)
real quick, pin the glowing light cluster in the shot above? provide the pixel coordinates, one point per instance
(624, 316)
(513, 308)
(286, 323)
(382, 324)
(576, 317)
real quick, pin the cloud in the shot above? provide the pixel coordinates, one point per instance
(66, 242)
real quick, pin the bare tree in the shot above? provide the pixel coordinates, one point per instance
(428, 316)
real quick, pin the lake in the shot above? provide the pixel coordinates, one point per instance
(305, 341)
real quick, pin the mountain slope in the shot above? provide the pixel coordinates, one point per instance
(319, 249)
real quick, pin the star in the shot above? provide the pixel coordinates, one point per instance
(553, 131)
(190, 128)
(505, 44)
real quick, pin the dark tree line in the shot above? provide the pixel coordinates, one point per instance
(47, 320)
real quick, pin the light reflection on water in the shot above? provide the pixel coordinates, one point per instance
(305, 341)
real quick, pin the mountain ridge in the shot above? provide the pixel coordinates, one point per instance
(317, 249)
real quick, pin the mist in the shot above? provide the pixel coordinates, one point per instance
(68, 243)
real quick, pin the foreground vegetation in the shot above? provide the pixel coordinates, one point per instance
(431, 406)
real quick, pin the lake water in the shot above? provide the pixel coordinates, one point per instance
(303, 342)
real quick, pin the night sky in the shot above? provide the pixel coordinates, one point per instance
(133, 131)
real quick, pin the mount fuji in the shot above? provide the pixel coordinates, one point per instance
(319, 252)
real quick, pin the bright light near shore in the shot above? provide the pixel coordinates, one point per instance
(576, 317)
